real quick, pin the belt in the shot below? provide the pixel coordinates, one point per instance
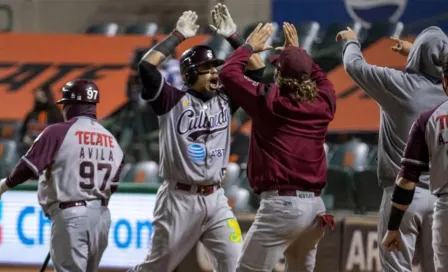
(297, 193)
(201, 189)
(71, 204)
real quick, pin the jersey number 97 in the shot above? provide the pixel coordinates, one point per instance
(87, 172)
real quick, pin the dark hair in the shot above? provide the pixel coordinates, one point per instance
(304, 91)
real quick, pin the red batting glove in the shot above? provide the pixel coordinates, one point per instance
(326, 220)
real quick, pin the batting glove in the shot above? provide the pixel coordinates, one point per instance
(222, 21)
(187, 24)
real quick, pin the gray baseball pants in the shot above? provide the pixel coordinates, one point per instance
(79, 236)
(415, 229)
(284, 226)
(181, 219)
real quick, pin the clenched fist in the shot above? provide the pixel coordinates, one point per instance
(222, 21)
(187, 24)
(348, 34)
(402, 47)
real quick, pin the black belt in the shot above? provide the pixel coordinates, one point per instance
(71, 204)
(201, 189)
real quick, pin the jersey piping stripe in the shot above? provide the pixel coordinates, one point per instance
(414, 161)
(31, 165)
(159, 90)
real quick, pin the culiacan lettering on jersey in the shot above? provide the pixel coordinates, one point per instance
(236, 236)
(196, 125)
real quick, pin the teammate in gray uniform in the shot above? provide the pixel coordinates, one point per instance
(427, 145)
(194, 152)
(78, 163)
(402, 96)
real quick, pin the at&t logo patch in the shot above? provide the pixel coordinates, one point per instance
(196, 152)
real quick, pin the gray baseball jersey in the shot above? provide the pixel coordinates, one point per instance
(75, 160)
(194, 135)
(427, 150)
(194, 150)
(403, 96)
(427, 145)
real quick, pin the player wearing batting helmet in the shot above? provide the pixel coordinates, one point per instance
(287, 164)
(78, 163)
(194, 152)
(426, 146)
(402, 96)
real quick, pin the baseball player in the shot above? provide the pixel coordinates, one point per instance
(194, 152)
(287, 164)
(426, 146)
(78, 163)
(402, 96)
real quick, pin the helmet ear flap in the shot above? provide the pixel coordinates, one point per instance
(191, 75)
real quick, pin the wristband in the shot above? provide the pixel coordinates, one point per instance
(235, 40)
(395, 217)
(167, 45)
(402, 196)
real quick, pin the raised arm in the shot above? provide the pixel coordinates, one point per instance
(160, 94)
(224, 26)
(378, 82)
(243, 90)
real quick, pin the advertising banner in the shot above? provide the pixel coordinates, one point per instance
(28, 61)
(25, 231)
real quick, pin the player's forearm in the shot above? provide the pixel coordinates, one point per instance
(255, 61)
(21, 173)
(401, 199)
(161, 50)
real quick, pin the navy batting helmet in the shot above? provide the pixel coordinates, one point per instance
(195, 56)
(80, 91)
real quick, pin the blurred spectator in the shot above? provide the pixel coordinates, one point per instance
(170, 70)
(45, 112)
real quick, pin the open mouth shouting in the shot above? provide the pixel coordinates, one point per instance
(214, 83)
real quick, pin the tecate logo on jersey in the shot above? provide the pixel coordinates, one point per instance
(368, 11)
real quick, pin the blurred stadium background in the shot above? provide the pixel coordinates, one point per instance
(45, 43)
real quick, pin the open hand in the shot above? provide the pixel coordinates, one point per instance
(402, 47)
(186, 24)
(392, 240)
(348, 34)
(258, 38)
(291, 37)
(222, 21)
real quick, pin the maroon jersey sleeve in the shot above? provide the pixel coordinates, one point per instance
(325, 87)
(40, 155)
(243, 91)
(161, 96)
(416, 155)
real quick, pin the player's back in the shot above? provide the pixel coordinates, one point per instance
(435, 125)
(84, 165)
